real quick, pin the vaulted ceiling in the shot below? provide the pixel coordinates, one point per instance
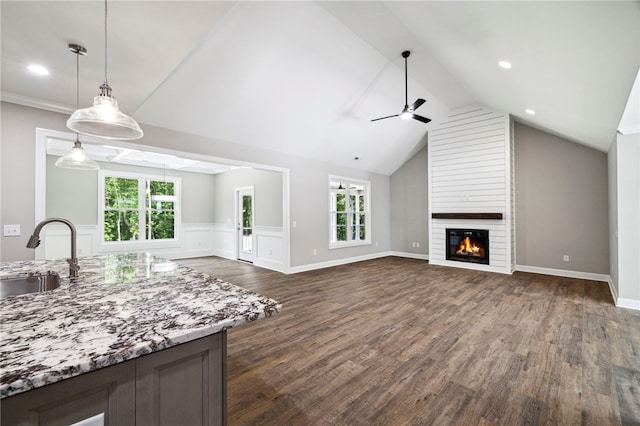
(306, 77)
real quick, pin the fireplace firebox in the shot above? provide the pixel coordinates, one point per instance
(468, 245)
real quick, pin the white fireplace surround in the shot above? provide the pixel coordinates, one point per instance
(470, 156)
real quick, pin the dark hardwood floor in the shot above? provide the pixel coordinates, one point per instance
(397, 341)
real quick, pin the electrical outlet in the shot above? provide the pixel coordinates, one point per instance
(417, 244)
(11, 230)
(315, 252)
(565, 258)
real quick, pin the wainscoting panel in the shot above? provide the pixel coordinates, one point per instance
(56, 240)
(197, 239)
(224, 240)
(269, 246)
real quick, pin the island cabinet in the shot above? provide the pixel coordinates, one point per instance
(184, 384)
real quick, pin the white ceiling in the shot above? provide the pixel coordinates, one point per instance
(306, 77)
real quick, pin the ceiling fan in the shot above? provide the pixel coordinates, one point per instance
(408, 110)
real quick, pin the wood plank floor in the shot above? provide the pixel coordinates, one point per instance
(397, 341)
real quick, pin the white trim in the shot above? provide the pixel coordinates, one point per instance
(344, 244)
(367, 212)
(268, 264)
(471, 266)
(337, 262)
(244, 190)
(269, 247)
(622, 302)
(269, 230)
(29, 101)
(613, 290)
(224, 239)
(143, 243)
(409, 255)
(564, 273)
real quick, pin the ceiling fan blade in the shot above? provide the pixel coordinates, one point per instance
(389, 116)
(416, 104)
(421, 118)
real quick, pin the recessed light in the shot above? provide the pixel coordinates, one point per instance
(530, 111)
(38, 69)
(505, 64)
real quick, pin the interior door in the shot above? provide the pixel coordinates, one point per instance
(244, 220)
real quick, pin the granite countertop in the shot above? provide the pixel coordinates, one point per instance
(120, 307)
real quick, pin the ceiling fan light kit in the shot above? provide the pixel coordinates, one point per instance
(408, 110)
(104, 119)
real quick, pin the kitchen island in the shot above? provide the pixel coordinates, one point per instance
(144, 339)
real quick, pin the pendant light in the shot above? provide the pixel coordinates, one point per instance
(104, 119)
(77, 159)
(159, 198)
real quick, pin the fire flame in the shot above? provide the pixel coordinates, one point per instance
(467, 248)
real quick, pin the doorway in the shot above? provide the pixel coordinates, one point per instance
(245, 223)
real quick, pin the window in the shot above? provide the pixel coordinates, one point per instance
(349, 212)
(138, 207)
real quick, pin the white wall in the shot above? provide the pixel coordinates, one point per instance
(626, 207)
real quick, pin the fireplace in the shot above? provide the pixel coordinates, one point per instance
(468, 245)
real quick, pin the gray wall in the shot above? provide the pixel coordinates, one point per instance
(17, 177)
(308, 185)
(267, 194)
(409, 195)
(73, 194)
(561, 203)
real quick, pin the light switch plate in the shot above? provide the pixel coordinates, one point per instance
(11, 230)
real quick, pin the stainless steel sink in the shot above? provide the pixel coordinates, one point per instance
(10, 286)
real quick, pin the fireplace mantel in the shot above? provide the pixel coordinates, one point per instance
(481, 216)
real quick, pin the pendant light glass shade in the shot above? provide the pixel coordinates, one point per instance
(104, 119)
(77, 159)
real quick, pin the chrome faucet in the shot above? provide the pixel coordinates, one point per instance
(34, 241)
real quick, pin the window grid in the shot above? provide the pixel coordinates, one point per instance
(138, 208)
(348, 211)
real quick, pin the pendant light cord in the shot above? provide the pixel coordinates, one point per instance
(406, 82)
(77, 52)
(105, 41)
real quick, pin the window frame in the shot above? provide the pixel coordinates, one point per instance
(347, 183)
(142, 178)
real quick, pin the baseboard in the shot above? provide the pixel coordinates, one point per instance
(269, 264)
(564, 273)
(622, 302)
(337, 262)
(409, 255)
(191, 254)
